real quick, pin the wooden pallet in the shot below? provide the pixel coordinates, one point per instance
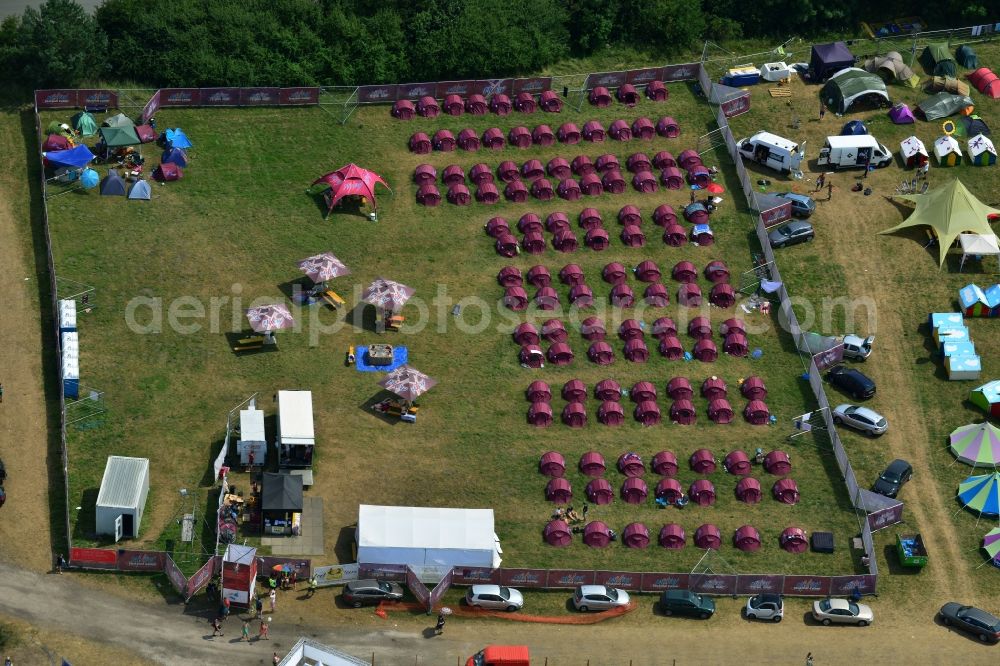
(780, 92)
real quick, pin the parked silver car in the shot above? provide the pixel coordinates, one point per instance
(598, 598)
(496, 597)
(861, 418)
(842, 611)
(765, 607)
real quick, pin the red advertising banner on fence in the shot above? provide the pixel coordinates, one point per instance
(97, 98)
(523, 577)
(686, 72)
(640, 77)
(141, 560)
(441, 588)
(267, 563)
(490, 87)
(417, 588)
(63, 98)
(259, 96)
(151, 107)
(377, 94)
(606, 79)
(713, 583)
(736, 106)
(461, 88)
(533, 85)
(201, 577)
(806, 586)
(568, 578)
(220, 96)
(177, 578)
(623, 579)
(657, 582)
(298, 96)
(759, 583)
(846, 585)
(180, 97)
(475, 576)
(415, 90)
(392, 572)
(93, 558)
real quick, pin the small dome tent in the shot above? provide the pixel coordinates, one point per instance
(682, 413)
(664, 159)
(674, 235)
(453, 175)
(593, 131)
(620, 131)
(531, 356)
(428, 195)
(519, 137)
(622, 296)
(722, 295)
(793, 540)
(557, 533)
(737, 463)
(493, 139)
(656, 91)
(632, 236)
(777, 463)
(539, 276)
(500, 104)
(459, 195)
(747, 538)
(526, 334)
(444, 141)
(601, 353)
(714, 388)
(753, 388)
(689, 295)
(634, 490)
(679, 388)
(597, 239)
(515, 298)
(427, 107)
(630, 329)
(672, 536)
(635, 535)
(599, 492)
(614, 273)
(582, 165)
(627, 94)
(786, 491)
(525, 103)
(558, 168)
(600, 97)
(468, 140)
(647, 413)
(508, 171)
(559, 491)
(702, 492)
(748, 490)
(539, 391)
(596, 534)
(719, 411)
(656, 296)
(669, 490)
(735, 344)
(702, 462)
(708, 536)
(480, 174)
(732, 326)
(424, 174)
(670, 348)
(476, 105)
(574, 391)
(643, 128)
(664, 216)
(629, 214)
(574, 415)
(756, 413)
(608, 390)
(592, 464)
(557, 221)
(592, 329)
(611, 413)
(705, 351)
(664, 327)
(637, 162)
(665, 463)
(684, 271)
(668, 128)
(553, 330)
(606, 163)
(540, 414)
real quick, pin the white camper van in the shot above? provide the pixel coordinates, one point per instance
(854, 151)
(772, 151)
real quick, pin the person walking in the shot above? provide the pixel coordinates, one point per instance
(217, 627)
(273, 596)
(586, 508)
(439, 627)
(829, 191)
(258, 605)
(60, 563)
(313, 584)
(809, 659)
(262, 633)
(246, 631)
(275, 660)
(820, 181)
(822, 110)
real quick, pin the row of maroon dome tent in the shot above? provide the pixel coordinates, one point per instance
(501, 104)
(654, 295)
(646, 412)
(597, 534)
(701, 492)
(593, 329)
(507, 245)
(493, 138)
(678, 388)
(614, 273)
(664, 463)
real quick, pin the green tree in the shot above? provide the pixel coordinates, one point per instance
(59, 44)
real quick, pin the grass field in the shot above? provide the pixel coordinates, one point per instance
(233, 229)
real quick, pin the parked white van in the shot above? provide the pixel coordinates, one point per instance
(772, 151)
(854, 152)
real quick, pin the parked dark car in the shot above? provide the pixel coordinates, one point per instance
(892, 479)
(851, 381)
(686, 602)
(360, 593)
(791, 233)
(976, 621)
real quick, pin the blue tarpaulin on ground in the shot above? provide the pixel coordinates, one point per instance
(74, 157)
(399, 357)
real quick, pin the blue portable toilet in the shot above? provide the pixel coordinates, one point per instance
(854, 128)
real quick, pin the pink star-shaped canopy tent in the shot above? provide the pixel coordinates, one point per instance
(351, 180)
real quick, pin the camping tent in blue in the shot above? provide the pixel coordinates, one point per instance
(74, 157)
(140, 191)
(828, 59)
(112, 185)
(854, 127)
(174, 156)
(177, 139)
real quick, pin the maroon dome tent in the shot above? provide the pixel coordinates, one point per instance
(705, 351)
(664, 216)
(747, 539)
(487, 193)
(519, 137)
(614, 273)
(786, 491)
(643, 128)
(459, 195)
(674, 235)
(596, 534)
(613, 182)
(656, 91)
(699, 328)
(608, 390)
(559, 491)
(668, 128)
(684, 271)
(550, 102)
(560, 354)
(592, 464)
(444, 141)
(508, 171)
(531, 356)
(696, 213)
(564, 241)
(713, 388)
(748, 490)
(574, 415)
(647, 413)
(539, 276)
(620, 131)
(645, 182)
(526, 334)
(630, 464)
(453, 105)
(717, 271)
(708, 536)
(777, 463)
(735, 344)
(593, 131)
(756, 413)
(702, 461)
(453, 175)
(428, 195)
(731, 326)
(541, 189)
(515, 298)
(629, 214)
(540, 414)
(582, 165)
(590, 184)
(529, 223)
(557, 533)
(510, 276)
(506, 244)
(600, 97)
(700, 176)
(664, 327)
(634, 490)
(571, 274)
(516, 192)
(672, 536)
(670, 348)
(597, 239)
(793, 539)
(722, 295)
(574, 391)
(635, 535)
(500, 104)
(622, 296)
(737, 463)
(647, 271)
(420, 143)
(719, 411)
(468, 140)
(671, 178)
(702, 492)
(689, 294)
(532, 169)
(428, 107)
(424, 174)
(592, 329)
(590, 218)
(753, 388)
(525, 102)
(632, 236)
(476, 105)
(627, 94)
(539, 391)
(665, 464)
(493, 139)
(637, 162)
(664, 159)
(599, 492)
(556, 222)
(656, 296)
(558, 168)
(702, 235)
(601, 353)
(682, 412)
(669, 490)
(481, 173)
(404, 109)
(688, 158)
(546, 298)
(569, 134)
(543, 136)
(642, 392)
(611, 413)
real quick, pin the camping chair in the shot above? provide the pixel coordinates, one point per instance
(332, 299)
(249, 343)
(932, 237)
(394, 322)
(923, 188)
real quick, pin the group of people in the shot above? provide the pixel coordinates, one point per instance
(570, 515)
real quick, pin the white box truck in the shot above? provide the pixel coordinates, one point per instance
(773, 151)
(854, 152)
(296, 436)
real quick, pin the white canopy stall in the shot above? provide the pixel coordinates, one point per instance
(978, 245)
(251, 436)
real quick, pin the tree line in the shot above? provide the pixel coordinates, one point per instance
(158, 43)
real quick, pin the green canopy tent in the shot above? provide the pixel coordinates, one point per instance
(853, 85)
(943, 104)
(937, 61)
(85, 124)
(117, 137)
(949, 210)
(966, 57)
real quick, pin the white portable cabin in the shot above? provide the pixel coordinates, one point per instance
(982, 151)
(963, 368)
(122, 498)
(296, 433)
(427, 536)
(251, 436)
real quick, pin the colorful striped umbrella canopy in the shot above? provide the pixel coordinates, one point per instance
(976, 444)
(991, 544)
(270, 317)
(387, 294)
(323, 267)
(981, 493)
(407, 382)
